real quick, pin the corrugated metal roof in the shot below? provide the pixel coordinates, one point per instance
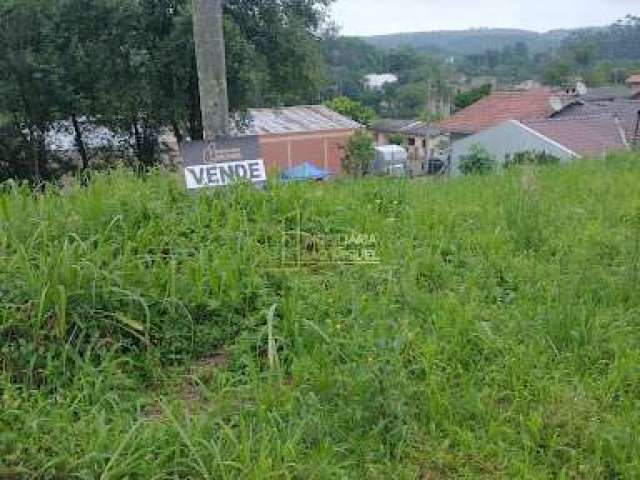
(300, 119)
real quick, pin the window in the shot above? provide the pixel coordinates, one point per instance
(424, 143)
(412, 142)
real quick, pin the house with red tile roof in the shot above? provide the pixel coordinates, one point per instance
(502, 106)
(565, 138)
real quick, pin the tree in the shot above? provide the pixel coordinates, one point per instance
(352, 109)
(27, 86)
(558, 73)
(584, 53)
(360, 153)
(411, 100)
(466, 99)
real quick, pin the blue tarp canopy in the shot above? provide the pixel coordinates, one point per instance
(306, 171)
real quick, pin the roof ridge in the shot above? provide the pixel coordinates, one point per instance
(568, 118)
(316, 105)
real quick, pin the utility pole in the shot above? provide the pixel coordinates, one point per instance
(429, 98)
(212, 75)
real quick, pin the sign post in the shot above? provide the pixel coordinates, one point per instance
(220, 159)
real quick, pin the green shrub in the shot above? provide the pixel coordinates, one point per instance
(359, 154)
(532, 158)
(477, 162)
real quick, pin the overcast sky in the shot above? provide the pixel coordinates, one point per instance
(369, 17)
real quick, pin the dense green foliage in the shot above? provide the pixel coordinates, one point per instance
(424, 80)
(359, 154)
(149, 333)
(352, 109)
(465, 99)
(477, 162)
(131, 66)
(511, 64)
(348, 60)
(600, 56)
(620, 41)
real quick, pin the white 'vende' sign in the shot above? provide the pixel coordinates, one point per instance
(222, 162)
(224, 174)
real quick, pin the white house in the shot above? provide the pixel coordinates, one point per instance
(376, 81)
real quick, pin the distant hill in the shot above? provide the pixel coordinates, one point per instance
(469, 42)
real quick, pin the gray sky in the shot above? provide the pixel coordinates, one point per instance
(368, 17)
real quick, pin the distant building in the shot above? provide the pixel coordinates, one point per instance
(376, 81)
(565, 138)
(424, 142)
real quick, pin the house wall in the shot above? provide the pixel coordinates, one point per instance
(324, 149)
(417, 152)
(504, 140)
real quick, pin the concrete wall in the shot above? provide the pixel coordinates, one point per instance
(504, 141)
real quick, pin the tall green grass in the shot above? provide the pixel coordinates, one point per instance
(151, 333)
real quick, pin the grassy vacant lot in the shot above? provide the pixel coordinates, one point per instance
(148, 333)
